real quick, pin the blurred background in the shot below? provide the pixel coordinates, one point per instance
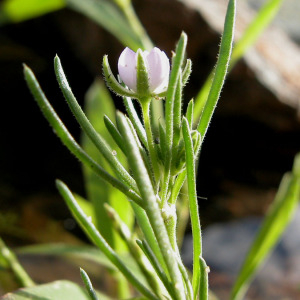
(250, 144)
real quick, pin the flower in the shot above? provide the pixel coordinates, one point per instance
(156, 63)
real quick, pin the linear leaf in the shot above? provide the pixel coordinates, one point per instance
(20, 10)
(61, 289)
(106, 14)
(221, 69)
(274, 224)
(98, 103)
(67, 139)
(264, 17)
(193, 202)
(99, 241)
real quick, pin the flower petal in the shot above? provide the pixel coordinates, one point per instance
(166, 67)
(127, 68)
(158, 69)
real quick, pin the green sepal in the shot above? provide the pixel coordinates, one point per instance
(113, 83)
(142, 78)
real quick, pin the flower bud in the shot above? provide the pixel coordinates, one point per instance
(157, 68)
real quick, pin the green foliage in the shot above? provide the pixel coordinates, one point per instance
(98, 103)
(20, 10)
(106, 14)
(99, 241)
(10, 262)
(271, 230)
(221, 70)
(248, 39)
(88, 285)
(263, 18)
(193, 203)
(126, 171)
(61, 289)
(71, 252)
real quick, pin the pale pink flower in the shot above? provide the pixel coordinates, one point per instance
(158, 69)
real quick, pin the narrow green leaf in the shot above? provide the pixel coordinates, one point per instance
(20, 10)
(98, 240)
(125, 233)
(98, 103)
(273, 226)
(114, 132)
(61, 289)
(186, 72)
(221, 69)
(177, 186)
(162, 141)
(174, 76)
(263, 18)
(144, 224)
(185, 276)
(87, 127)
(203, 289)
(193, 203)
(84, 252)
(87, 207)
(78, 254)
(110, 17)
(12, 263)
(88, 285)
(67, 139)
(155, 264)
(169, 111)
(177, 111)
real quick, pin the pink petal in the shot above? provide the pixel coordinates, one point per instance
(127, 68)
(158, 69)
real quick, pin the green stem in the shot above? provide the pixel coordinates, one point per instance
(151, 206)
(151, 147)
(13, 263)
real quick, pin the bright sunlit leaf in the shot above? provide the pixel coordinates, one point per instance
(21, 10)
(61, 289)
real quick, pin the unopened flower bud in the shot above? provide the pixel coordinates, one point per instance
(157, 67)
